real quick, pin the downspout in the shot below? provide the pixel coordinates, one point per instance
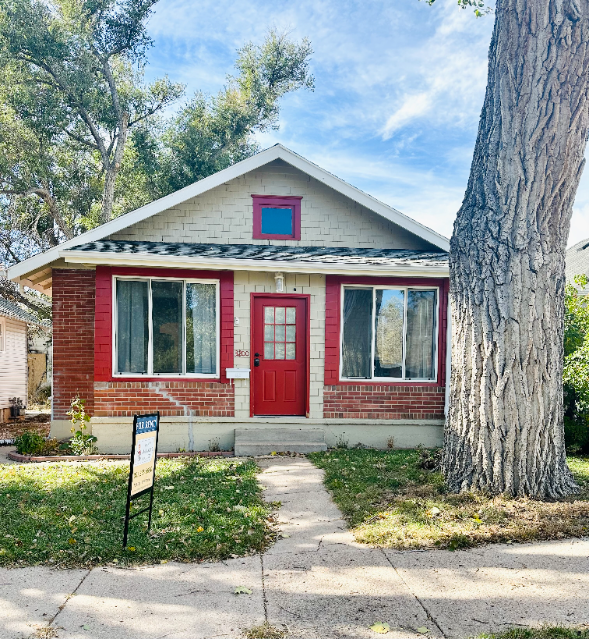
(448, 355)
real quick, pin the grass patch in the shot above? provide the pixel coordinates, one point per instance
(390, 501)
(265, 631)
(72, 514)
(545, 632)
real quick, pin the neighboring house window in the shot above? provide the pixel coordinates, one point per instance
(2, 334)
(166, 327)
(277, 217)
(389, 333)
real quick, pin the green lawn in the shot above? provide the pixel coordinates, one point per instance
(389, 500)
(72, 514)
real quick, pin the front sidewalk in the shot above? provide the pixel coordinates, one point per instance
(315, 583)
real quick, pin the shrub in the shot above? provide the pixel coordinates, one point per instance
(576, 367)
(30, 443)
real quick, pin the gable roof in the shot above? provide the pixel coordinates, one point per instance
(206, 184)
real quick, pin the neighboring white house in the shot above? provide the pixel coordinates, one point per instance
(577, 262)
(14, 324)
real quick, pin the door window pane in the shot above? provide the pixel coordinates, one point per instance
(388, 348)
(280, 315)
(269, 332)
(421, 345)
(357, 333)
(269, 350)
(291, 333)
(167, 326)
(290, 351)
(279, 350)
(291, 315)
(279, 333)
(269, 315)
(201, 328)
(132, 326)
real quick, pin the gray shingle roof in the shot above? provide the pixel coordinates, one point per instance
(12, 310)
(317, 254)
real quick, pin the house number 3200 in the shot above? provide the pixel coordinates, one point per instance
(239, 353)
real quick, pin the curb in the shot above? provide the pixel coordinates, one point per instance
(54, 458)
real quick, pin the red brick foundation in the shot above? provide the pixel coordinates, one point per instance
(383, 402)
(73, 339)
(200, 399)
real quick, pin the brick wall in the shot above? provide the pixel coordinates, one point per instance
(202, 399)
(383, 402)
(73, 339)
(225, 215)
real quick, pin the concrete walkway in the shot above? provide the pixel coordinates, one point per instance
(315, 583)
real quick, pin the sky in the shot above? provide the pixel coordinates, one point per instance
(399, 87)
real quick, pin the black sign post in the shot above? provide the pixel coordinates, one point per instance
(146, 430)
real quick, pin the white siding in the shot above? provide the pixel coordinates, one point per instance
(224, 215)
(13, 363)
(247, 282)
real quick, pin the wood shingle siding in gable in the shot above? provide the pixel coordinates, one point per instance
(225, 215)
(13, 363)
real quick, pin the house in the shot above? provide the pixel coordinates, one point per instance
(270, 303)
(577, 262)
(14, 323)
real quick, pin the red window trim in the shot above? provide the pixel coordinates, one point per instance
(281, 296)
(333, 284)
(282, 201)
(103, 338)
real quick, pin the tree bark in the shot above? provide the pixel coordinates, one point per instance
(504, 431)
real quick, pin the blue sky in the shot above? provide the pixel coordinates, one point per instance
(399, 88)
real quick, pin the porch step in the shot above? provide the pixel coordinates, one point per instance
(263, 441)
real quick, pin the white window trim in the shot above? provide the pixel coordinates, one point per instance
(389, 380)
(3, 334)
(150, 373)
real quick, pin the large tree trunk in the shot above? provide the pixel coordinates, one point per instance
(504, 431)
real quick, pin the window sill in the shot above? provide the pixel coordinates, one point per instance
(386, 382)
(165, 378)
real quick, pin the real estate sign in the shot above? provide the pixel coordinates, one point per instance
(145, 436)
(143, 460)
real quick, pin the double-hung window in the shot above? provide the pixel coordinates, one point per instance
(389, 333)
(166, 327)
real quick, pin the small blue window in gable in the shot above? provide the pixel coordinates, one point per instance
(277, 221)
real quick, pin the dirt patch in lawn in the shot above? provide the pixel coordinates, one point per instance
(390, 500)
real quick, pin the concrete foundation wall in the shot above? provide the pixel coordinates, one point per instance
(191, 434)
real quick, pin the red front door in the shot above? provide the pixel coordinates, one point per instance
(280, 355)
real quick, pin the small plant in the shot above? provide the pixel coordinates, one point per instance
(81, 443)
(430, 459)
(390, 443)
(214, 446)
(265, 631)
(342, 441)
(29, 443)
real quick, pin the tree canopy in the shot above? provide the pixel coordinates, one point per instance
(83, 137)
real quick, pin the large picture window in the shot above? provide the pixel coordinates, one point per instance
(166, 327)
(389, 333)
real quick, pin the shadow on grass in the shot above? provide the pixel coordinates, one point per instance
(390, 500)
(73, 514)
